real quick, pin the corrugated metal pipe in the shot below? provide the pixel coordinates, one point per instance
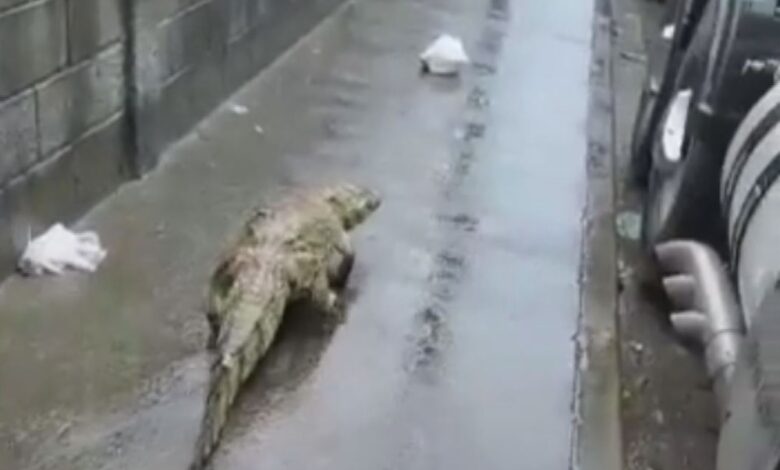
(706, 310)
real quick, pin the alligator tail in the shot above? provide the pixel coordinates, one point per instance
(223, 390)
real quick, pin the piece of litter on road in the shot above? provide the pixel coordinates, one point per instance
(238, 109)
(668, 32)
(159, 231)
(445, 56)
(633, 57)
(59, 249)
(625, 271)
(63, 430)
(641, 383)
(658, 416)
(637, 347)
(259, 129)
(629, 225)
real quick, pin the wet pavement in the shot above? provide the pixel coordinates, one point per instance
(458, 349)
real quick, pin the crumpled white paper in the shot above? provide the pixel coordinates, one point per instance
(59, 249)
(445, 56)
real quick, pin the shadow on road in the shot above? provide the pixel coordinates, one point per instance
(300, 343)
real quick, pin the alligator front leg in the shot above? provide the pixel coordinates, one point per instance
(214, 328)
(328, 301)
(340, 263)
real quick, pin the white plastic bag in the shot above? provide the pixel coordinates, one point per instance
(59, 249)
(445, 56)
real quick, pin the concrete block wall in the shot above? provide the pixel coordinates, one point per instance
(92, 92)
(63, 129)
(191, 54)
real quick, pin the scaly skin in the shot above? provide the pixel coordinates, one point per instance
(297, 251)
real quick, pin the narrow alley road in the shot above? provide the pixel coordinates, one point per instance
(458, 352)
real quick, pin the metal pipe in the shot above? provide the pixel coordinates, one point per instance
(692, 326)
(699, 287)
(681, 289)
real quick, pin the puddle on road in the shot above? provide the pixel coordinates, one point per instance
(484, 68)
(432, 329)
(432, 332)
(478, 98)
(461, 221)
(471, 131)
(499, 10)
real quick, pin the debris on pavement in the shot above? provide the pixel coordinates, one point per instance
(625, 272)
(239, 109)
(633, 57)
(637, 347)
(641, 383)
(658, 416)
(445, 56)
(59, 249)
(259, 129)
(629, 225)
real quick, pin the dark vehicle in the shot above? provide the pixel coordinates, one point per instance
(721, 58)
(707, 149)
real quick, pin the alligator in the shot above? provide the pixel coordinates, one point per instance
(297, 251)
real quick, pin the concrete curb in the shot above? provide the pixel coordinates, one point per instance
(597, 440)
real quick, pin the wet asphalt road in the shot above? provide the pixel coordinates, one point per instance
(458, 349)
